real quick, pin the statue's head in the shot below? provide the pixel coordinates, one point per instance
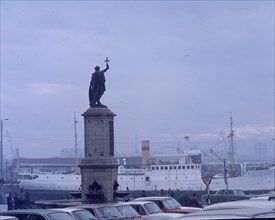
(97, 68)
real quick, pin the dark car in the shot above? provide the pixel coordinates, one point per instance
(224, 195)
(102, 211)
(38, 214)
(169, 204)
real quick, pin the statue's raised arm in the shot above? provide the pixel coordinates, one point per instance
(97, 86)
(107, 67)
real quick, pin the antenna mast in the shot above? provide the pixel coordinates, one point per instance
(232, 144)
(75, 144)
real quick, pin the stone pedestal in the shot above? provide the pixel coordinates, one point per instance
(99, 167)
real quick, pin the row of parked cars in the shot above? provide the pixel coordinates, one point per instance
(159, 208)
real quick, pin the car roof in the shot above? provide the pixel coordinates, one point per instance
(31, 211)
(266, 194)
(58, 203)
(121, 204)
(153, 198)
(260, 198)
(75, 209)
(230, 189)
(84, 206)
(71, 209)
(8, 217)
(259, 204)
(191, 208)
(228, 213)
(139, 202)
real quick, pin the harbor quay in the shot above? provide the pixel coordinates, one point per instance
(53, 199)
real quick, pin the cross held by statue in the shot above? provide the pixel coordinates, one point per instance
(107, 60)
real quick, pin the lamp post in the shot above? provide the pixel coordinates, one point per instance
(2, 162)
(1, 145)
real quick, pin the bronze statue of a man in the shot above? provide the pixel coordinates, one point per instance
(97, 86)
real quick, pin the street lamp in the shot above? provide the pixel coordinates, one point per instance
(1, 145)
(2, 164)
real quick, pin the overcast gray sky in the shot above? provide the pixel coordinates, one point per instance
(178, 68)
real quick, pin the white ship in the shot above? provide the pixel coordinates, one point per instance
(250, 180)
(181, 171)
(175, 172)
(49, 181)
(178, 172)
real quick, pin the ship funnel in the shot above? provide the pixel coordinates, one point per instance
(124, 161)
(145, 149)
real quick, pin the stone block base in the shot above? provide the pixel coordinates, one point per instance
(101, 171)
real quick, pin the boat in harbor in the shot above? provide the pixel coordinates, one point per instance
(181, 171)
(176, 172)
(248, 180)
(49, 181)
(251, 180)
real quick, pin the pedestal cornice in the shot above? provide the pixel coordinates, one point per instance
(98, 112)
(99, 162)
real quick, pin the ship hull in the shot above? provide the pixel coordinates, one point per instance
(51, 182)
(251, 180)
(165, 177)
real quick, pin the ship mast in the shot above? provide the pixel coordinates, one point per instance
(231, 135)
(75, 144)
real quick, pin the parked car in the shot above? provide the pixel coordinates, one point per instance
(232, 214)
(169, 204)
(8, 218)
(128, 212)
(51, 204)
(259, 204)
(148, 208)
(38, 214)
(102, 211)
(78, 213)
(266, 196)
(224, 195)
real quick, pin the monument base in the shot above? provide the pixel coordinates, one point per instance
(98, 177)
(99, 168)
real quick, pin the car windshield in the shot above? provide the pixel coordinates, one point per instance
(152, 208)
(171, 203)
(107, 212)
(83, 214)
(127, 211)
(60, 216)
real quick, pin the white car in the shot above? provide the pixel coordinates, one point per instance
(247, 213)
(102, 211)
(78, 213)
(8, 218)
(241, 204)
(148, 208)
(41, 214)
(169, 204)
